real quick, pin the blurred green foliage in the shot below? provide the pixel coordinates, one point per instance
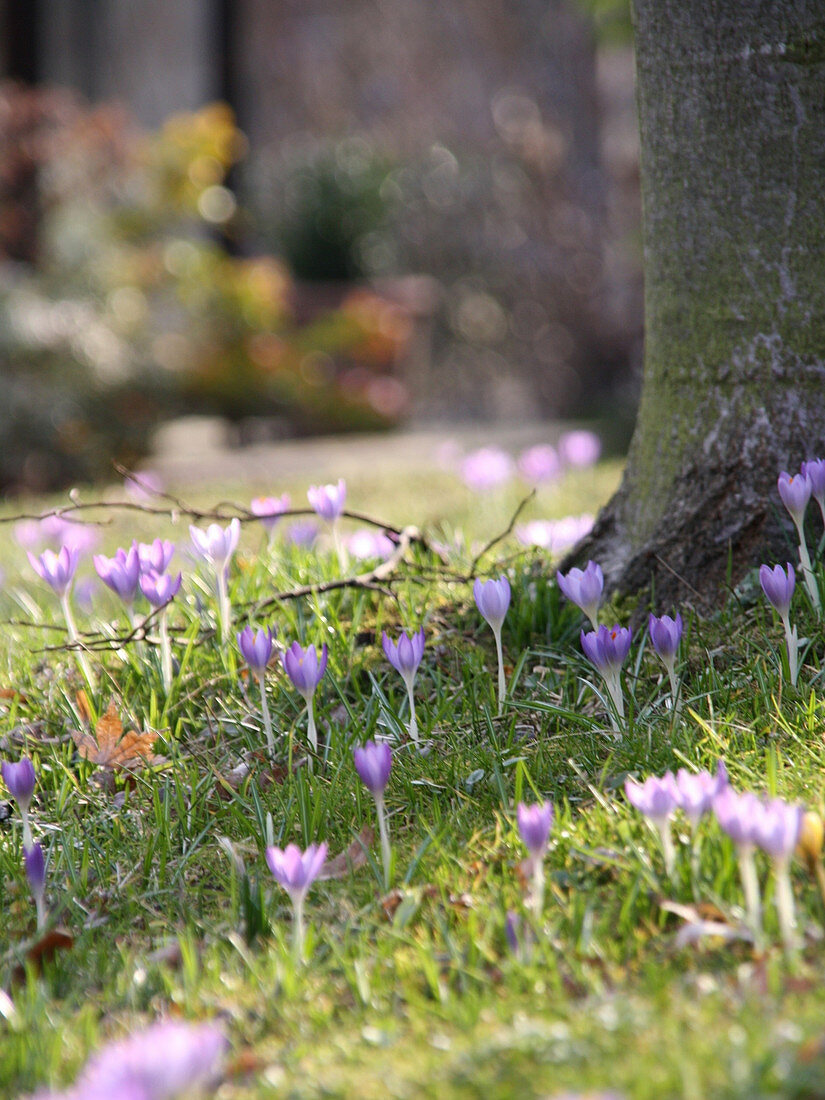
(123, 307)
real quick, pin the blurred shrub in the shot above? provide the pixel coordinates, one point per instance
(122, 307)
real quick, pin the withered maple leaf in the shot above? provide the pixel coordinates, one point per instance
(110, 747)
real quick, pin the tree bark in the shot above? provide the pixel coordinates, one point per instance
(731, 99)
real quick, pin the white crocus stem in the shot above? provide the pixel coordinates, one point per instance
(674, 684)
(384, 834)
(668, 849)
(71, 630)
(165, 649)
(792, 641)
(807, 571)
(613, 682)
(409, 680)
(270, 740)
(502, 686)
(312, 732)
(785, 903)
(298, 927)
(40, 906)
(592, 613)
(28, 840)
(537, 899)
(750, 888)
(224, 606)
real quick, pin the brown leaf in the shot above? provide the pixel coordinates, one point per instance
(351, 858)
(112, 748)
(13, 693)
(83, 709)
(391, 901)
(43, 950)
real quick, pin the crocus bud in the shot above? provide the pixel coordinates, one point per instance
(778, 585)
(256, 648)
(492, 599)
(216, 544)
(304, 667)
(270, 509)
(534, 826)
(405, 655)
(795, 491)
(20, 778)
(328, 500)
(159, 588)
(373, 763)
(58, 569)
(665, 634)
(584, 587)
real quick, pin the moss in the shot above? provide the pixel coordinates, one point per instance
(805, 50)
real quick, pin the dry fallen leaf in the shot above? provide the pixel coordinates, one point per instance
(112, 748)
(43, 950)
(83, 709)
(351, 858)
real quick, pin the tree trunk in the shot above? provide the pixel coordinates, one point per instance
(731, 99)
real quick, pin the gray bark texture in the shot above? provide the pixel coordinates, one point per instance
(731, 98)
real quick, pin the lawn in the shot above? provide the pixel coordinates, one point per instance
(407, 983)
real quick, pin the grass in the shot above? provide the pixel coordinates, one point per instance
(159, 875)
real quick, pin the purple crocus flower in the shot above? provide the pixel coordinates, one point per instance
(366, 544)
(304, 667)
(776, 830)
(657, 798)
(814, 471)
(607, 649)
(328, 500)
(405, 654)
(584, 587)
(492, 599)
(58, 569)
(256, 648)
(487, 468)
(778, 585)
(304, 533)
(270, 509)
(305, 670)
(580, 448)
(534, 826)
(296, 871)
(373, 763)
(35, 864)
(160, 588)
(665, 634)
(795, 491)
(155, 556)
(738, 814)
(20, 778)
(539, 463)
(166, 1060)
(121, 573)
(696, 791)
(217, 544)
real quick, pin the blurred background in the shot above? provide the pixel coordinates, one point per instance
(303, 217)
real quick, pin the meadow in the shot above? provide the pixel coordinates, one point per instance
(454, 959)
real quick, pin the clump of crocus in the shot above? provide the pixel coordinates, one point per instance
(492, 599)
(607, 650)
(269, 510)
(795, 491)
(534, 828)
(696, 792)
(20, 778)
(216, 545)
(776, 831)
(657, 798)
(35, 864)
(160, 589)
(665, 635)
(166, 1060)
(405, 657)
(373, 763)
(486, 468)
(305, 669)
(328, 501)
(296, 871)
(256, 650)
(122, 574)
(584, 587)
(739, 814)
(778, 585)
